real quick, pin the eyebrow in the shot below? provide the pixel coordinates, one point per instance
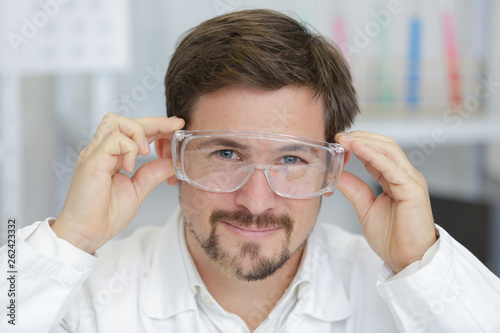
(222, 142)
(295, 147)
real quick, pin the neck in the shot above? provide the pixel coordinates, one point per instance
(251, 301)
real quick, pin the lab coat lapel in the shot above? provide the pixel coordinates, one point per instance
(168, 292)
(324, 298)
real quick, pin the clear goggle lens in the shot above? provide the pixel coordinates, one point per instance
(223, 161)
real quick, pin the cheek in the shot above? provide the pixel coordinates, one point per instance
(197, 205)
(304, 215)
(194, 204)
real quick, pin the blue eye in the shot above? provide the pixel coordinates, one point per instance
(290, 159)
(228, 154)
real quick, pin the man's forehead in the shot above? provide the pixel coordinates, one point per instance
(290, 110)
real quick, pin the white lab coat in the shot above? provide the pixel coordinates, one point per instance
(139, 284)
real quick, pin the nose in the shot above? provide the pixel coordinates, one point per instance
(256, 195)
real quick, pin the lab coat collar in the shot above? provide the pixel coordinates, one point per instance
(324, 297)
(168, 292)
(321, 294)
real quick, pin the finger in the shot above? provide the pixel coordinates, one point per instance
(395, 181)
(357, 192)
(121, 148)
(377, 164)
(129, 127)
(150, 175)
(155, 127)
(389, 148)
(369, 135)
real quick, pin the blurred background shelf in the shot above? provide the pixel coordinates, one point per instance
(411, 132)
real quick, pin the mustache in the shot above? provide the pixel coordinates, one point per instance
(245, 218)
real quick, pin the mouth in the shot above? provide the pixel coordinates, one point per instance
(251, 231)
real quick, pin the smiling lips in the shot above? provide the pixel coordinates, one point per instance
(251, 231)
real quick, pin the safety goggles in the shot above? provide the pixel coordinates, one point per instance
(223, 161)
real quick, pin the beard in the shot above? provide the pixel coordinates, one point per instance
(261, 266)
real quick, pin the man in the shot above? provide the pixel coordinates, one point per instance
(259, 98)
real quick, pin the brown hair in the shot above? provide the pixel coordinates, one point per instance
(261, 49)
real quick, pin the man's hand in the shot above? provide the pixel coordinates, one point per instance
(101, 201)
(398, 224)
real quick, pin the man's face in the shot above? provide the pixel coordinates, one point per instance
(250, 233)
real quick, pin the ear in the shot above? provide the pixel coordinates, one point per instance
(163, 148)
(347, 158)
(164, 151)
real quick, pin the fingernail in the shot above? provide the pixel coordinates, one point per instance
(146, 145)
(175, 118)
(132, 166)
(343, 135)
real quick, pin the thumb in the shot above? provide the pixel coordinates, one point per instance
(150, 175)
(359, 194)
